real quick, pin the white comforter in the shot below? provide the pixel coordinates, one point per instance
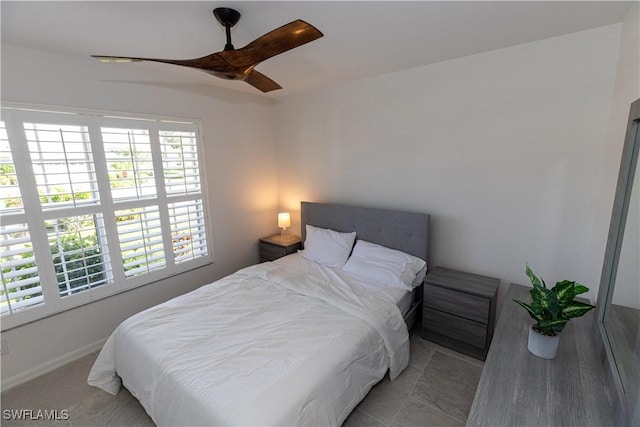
(268, 345)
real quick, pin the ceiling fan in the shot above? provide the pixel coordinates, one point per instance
(239, 64)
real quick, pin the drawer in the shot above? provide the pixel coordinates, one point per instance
(459, 303)
(464, 330)
(271, 252)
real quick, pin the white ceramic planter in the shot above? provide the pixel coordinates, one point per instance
(543, 345)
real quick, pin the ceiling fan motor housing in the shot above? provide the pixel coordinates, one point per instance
(226, 16)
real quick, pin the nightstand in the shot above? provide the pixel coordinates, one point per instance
(274, 247)
(459, 310)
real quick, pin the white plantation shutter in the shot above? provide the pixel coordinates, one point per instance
(140, 234)
(20, 281)
(181, 172)
(188, 235)
(62, 164)
(180, 162)
(10, 197)
(99, 203)
(21, 286)
(129, 162)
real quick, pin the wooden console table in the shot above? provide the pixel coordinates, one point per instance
(519, 389)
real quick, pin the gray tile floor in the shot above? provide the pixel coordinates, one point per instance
(435, 390)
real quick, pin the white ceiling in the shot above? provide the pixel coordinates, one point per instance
(361, 39)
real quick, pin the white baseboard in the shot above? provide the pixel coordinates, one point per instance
(49, 366)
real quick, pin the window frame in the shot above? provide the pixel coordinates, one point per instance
(14, 115)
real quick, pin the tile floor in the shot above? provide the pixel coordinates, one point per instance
(435, 390)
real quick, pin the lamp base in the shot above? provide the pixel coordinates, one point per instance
(285, 235)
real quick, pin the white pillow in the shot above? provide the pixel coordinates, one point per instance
(327, 247)
(379, 264)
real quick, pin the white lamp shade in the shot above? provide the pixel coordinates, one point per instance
(284, 220)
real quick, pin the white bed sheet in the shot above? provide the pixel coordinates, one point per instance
(400, 297)
(268, 345)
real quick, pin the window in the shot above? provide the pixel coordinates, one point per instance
(92, 205)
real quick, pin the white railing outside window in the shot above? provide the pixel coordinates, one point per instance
(92, 205)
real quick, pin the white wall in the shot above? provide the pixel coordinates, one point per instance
(502, 148)
(241, 179)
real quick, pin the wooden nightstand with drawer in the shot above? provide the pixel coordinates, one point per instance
(274, 247)
(459, 310)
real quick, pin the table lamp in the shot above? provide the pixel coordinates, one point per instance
(284, 222)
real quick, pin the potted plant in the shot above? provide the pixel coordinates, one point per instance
(551, 309)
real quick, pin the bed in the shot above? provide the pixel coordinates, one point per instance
(289, 342)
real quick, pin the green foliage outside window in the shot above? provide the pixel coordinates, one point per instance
(8, 178)
(8, 174)
(59, 195)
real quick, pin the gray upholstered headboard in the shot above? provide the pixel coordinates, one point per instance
(404, 231)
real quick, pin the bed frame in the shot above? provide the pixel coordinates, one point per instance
(404, 231)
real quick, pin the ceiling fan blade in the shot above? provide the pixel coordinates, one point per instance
(109, 59)
(239, 64)
(261, 82)
(211, 62)
(287, 37)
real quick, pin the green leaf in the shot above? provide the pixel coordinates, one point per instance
(580, 289)
(565, 292)
(534, 279)
(576, 309)
(546, 301)
(529, 309)
(536, 294)
(555, 325)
